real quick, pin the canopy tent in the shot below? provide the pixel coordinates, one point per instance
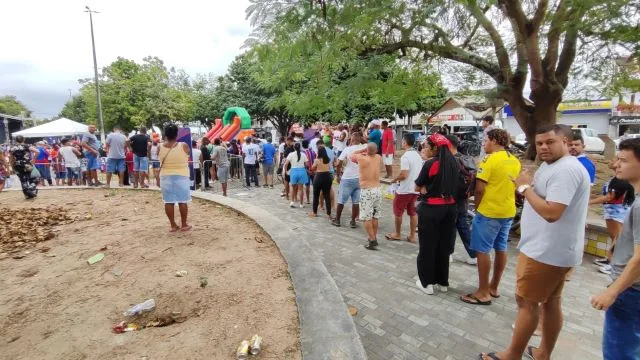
(60, 127)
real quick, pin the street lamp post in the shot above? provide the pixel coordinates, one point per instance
(95, 73)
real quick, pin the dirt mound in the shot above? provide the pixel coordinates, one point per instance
(23, 229)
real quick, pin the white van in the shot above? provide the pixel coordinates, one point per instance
(592, 143)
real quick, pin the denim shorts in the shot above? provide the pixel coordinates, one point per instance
(155, 164)
(223, 173)
(298, 176)
(92, 161)
(621, 335)
(489, 233)
(73, 173)
(140, 163)
(616, 212)
(349, 188)
(175, 189)
(267, 168)
(115, 165)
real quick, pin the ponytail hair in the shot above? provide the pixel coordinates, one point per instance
(297, 148)
(448, 175)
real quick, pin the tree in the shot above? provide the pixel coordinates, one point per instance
(10, 105)
(506, 41)
(76, 109)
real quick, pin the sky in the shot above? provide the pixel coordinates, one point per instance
(46, 44)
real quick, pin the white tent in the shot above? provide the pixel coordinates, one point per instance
(60, 127)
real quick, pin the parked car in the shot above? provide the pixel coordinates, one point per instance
(592, 143)
(625, 137)
(418, 136)
(521, 139)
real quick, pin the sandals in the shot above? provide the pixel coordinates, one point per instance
(474, 300)
(491, 355)
(391, 238)
(529, 353)
(411, 241)
(186, 228)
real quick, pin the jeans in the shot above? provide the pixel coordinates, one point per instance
(250, 174)
(464, 231)
(140, 163)
(45, 172)
(621, 335)
(206, 166)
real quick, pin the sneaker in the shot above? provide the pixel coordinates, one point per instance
(371, 245)
(292, 205)
(428, 290)
(472, 261)
(353, 224)
(605, 269)
(300, 206)
(335, 223)
(443, 289)
(603, 261)
(450, 259)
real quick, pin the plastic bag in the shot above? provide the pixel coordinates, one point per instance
(391, 191)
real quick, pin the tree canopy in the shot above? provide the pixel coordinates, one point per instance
(11, 106)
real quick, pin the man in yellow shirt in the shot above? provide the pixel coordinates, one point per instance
(495, 209)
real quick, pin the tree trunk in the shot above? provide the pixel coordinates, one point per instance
(531, 118)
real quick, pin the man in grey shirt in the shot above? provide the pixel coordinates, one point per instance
(221, 158)
(116, 143)
(91, 147)
(621, 300)
(551, 243)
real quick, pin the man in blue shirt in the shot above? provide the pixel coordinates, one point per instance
(269, 153)
(375, 136)
(576, 148)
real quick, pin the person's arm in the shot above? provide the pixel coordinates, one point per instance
(423, 178)
(404, 171)
(314, 166)
(601, 199)
(76, 151)
(185, 148)
(479, 192)
(559, 194)
(149, 143)
(630, 274)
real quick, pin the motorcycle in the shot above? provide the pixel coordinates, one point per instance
(515, 225)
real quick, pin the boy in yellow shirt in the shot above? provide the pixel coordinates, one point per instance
(495, 209)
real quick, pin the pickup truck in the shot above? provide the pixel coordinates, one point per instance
(592, 143)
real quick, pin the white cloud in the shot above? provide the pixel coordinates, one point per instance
(47, 44)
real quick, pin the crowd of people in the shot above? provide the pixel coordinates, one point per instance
(432, 187)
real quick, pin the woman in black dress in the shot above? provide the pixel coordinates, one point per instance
(438, 184)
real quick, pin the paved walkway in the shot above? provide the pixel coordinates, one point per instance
(398, 321)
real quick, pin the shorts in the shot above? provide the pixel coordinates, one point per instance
(73, 173)
(155, 164)
(45, 170)
(402, 202)
(349, 188)
(615, 212)
(298, 176)
(175, 189)
(539, 282)
(223, 173)
(140, 163)
(370, 203)
(61, 174)
(268, 169)
(387, 159)
(92, 161)
(489, 233)
(115, 165)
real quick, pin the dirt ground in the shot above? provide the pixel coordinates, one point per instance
(54, 305)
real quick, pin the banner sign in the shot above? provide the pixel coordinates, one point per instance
(583, 107)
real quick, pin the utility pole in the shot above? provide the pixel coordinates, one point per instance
(95, 73)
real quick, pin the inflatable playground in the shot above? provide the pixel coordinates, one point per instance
(235, 124)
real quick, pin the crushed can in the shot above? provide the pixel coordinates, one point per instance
(256, 344)
(243, 350)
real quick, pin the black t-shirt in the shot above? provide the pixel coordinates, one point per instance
(139, 144)
(429, 178)
(205, 153)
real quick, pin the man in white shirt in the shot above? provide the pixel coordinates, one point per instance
(406, 196)
(349, 180)
(552, 241)
(251, 152)
(339, 140)
(196, 155)
(313, 143)
(69, 156)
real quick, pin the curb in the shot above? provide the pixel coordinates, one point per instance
(327, 330)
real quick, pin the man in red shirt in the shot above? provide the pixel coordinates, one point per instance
(387, 148)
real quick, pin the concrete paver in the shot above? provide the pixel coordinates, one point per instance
(396, 320)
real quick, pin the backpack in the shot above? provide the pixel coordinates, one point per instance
(467, 180)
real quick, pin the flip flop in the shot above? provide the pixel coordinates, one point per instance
(390, 238)
(476, 302)
(411, 241)
(172, 230)
(491, 355)
(495, 296)
(529, 353)
(186, 228)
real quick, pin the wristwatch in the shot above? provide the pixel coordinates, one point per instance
(523, 188)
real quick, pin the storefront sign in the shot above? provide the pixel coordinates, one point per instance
(443, 117)
(585, 107)
(625, 120)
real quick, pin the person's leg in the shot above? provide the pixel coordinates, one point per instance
(294, 194)
(326, 192)
(465, 233)
(255, 175)
(526, 321)
(551, 326)
(317, 188)
(184, 211)
(301, 193)
(389, 170)
(169, 210)
(614, 229)
(621, 334)
(368, 228)
(247, 175)
(224, 188)
(483, 233)
(398, 210)
(375, 224)
(108, 184)
(428, 232)
(307, 191)
(355, 200)
(121, 178)
(500, 246)
(444, 245)
(413, 223)
(342, 198)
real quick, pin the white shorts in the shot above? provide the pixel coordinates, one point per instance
(387, 159)
(370, 203)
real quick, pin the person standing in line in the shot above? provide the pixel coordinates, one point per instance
(388, 148)
(58, 166)
(621, 299)
(42, 163)
(251, 152)
(322, 181)
(487, 125)
(617, 197)
(221, 157)
(20, 159)
(269, 153)
(406, 196)
(91, 153)
(175, 182)
(576, 149)
(332, 159)
(339, 139)
(140, 145)
(116, 144)
(369, 163)
(462, 200)
(284, 167)
(313, 143)
(495, 208)
(298, 174)
(4, 171)
(437, 184)
(69, 156)
(196, 155)
(551, 242)
(155, 162)
(375, 135)
(206, 161)
(349, 180)
(311, 157)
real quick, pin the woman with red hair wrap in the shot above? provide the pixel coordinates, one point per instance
(438, 184)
